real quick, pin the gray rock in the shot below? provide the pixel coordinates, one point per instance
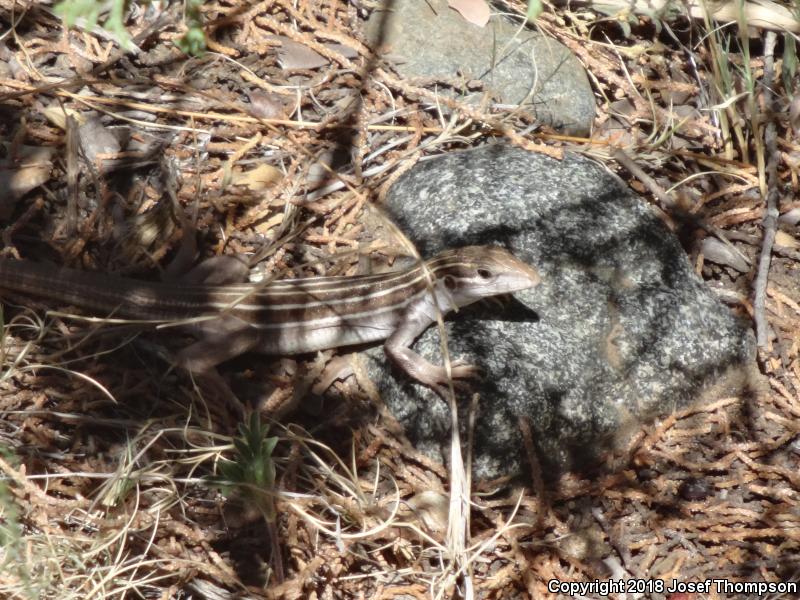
(621, 329)
(96, 138)
(427, 41)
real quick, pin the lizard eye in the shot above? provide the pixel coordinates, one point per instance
(484, 273)
(449, 282)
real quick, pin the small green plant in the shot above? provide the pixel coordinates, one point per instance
(789, 68)
(535, 9)
(194, 41)
(251, 475)
(71, 11)
(251, 472)
(110, 14)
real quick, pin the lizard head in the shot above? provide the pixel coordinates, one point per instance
(472, 273)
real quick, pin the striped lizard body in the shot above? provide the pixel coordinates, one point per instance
(294, 316)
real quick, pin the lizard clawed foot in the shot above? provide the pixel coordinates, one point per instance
(460, 371)
(435, 377)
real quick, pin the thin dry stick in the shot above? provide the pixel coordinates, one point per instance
(771, 215)
(459, 506)
(626, 161)
(764, 13)
(72, 174)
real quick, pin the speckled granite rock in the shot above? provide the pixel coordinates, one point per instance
(427, 40)
(620, 330)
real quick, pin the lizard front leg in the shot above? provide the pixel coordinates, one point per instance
(398, 348)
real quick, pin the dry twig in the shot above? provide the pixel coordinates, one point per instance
(770, 223)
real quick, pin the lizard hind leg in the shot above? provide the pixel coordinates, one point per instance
(218, 270)
(229, 338)
(219, 339)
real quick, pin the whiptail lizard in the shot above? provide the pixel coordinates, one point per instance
(294, 316)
